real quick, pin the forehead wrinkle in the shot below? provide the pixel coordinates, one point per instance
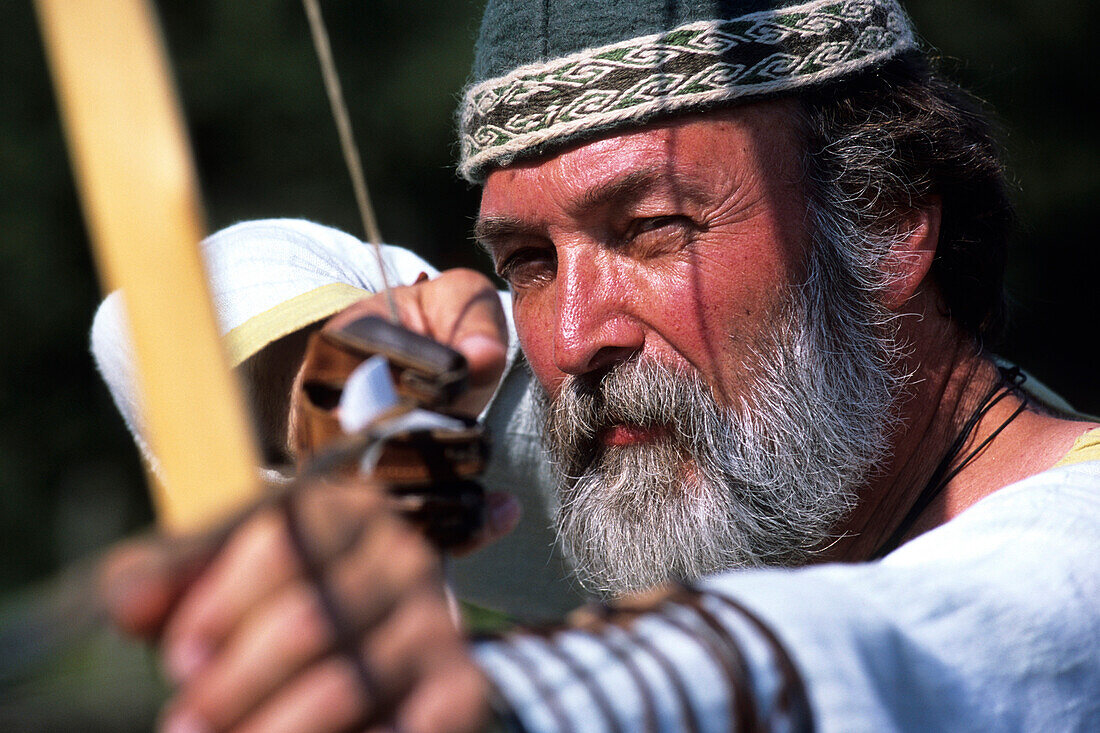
(633, 186)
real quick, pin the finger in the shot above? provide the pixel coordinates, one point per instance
(461, 309)
(391, 561)
(465, 313)
(254, 561)
(418, 638)
(418, 656)
(327, 697)
(258, 559)
(417, 633)
(277, 640)
(138, 585)
(335, 692)
(374, 305)
(454, 699)
(502, 514)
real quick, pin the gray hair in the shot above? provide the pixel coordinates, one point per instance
(879, 145)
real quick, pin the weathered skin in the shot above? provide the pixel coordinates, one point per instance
(639, 245)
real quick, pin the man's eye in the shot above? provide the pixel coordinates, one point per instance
(657, 234)
(528, 267)
(655, 222)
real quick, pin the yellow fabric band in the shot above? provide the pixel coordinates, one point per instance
(1085, 448)
(288, 317)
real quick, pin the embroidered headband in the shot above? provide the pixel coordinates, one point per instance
(595, 72)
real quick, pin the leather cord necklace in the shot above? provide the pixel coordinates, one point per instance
(1011, 379)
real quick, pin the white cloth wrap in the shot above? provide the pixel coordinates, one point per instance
(252, 268)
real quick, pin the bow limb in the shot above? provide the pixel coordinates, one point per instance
(141, 203)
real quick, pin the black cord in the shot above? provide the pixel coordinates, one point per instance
(1009, 383)
(343, 631)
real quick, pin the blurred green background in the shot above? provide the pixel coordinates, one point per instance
(265, 143)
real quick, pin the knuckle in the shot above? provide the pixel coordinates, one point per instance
(134, 589)
(339, 690)
(467, 279)
(333, 515)
(428, 615)
(299, 623)
(265, 537)
(371, 305)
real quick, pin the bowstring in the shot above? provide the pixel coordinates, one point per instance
(347, 143)
(319, 33)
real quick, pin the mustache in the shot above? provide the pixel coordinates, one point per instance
(639, 392)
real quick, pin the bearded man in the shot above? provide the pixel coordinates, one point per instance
(752, 253)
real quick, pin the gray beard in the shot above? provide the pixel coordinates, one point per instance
(764, 482)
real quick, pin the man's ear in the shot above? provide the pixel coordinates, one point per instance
(911, 257)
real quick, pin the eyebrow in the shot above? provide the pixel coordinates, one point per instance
(489, 229)
(634, 185)
(625, 188)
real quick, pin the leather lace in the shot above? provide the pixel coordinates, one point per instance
(1011, 379)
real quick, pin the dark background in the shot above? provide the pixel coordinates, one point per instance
(266, 146)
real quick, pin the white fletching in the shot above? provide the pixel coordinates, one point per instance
(368, 393)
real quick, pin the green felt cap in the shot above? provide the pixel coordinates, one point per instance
(548, 73)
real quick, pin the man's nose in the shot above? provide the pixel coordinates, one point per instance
(595, 324)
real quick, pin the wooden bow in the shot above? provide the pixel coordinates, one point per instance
(142, 207)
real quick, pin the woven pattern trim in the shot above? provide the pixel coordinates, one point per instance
(698, 65)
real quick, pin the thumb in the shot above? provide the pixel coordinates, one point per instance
(465, 312)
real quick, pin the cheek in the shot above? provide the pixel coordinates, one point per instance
(534, 327)
(703, 310)
(710, 309)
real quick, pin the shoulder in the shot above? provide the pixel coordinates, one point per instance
(1050, 515)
